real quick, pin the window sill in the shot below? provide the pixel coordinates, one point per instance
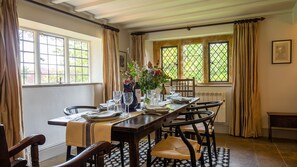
(58, 85)
(215, 85)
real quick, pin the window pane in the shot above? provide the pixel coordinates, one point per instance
(43, 59)
(193, 62)
(169, 61)
(52, 59)
(29, 79)
(218, 62)
(78, 61)
(85, 78)
(28, 46)
(28, 36)
(44, 69)
(51, 40)
(27, 56)
(28, 68)
(43, 48)
(43, 39)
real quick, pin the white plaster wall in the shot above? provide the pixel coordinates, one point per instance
(277, 82)
(43, 103)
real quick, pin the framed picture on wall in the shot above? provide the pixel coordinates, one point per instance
(123, 61)
(282, 51)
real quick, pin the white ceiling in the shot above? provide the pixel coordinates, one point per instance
(141, 15)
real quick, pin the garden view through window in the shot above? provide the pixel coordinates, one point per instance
(53, 59)
(205, 60)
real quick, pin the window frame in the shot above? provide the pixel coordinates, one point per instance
(36, 44)
(204, 41)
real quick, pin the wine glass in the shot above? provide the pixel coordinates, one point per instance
(172, 90)
(128, 99)
(117, 97)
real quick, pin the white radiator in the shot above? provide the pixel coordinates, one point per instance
(211, 96)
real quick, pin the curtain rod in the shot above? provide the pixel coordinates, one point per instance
(73, 15)
(205, 25)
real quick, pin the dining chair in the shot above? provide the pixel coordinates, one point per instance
(76, 109)
(6, 154)
(186, 87)
(206, 129)
(179, 147)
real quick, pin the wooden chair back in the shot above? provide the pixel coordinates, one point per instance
(76, 109)
(186, 87)
(4, 157)
(7, 154)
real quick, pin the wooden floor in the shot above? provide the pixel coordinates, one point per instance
(244, 152)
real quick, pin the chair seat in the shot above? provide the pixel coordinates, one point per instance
(174, 148)
(200, 127)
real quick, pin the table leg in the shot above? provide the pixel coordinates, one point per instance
(134, 152)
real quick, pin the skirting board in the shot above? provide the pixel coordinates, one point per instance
(52, 151)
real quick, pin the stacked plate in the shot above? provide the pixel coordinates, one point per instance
(101, 116)
(181, 100)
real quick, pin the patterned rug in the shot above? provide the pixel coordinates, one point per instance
(115, 159)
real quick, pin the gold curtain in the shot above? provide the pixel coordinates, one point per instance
(138, 49)
(111, 71)
(10, 84)
(246, 117)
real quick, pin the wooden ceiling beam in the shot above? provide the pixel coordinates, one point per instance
(203, 18)
(59, 1)
(175, 11)
(146, 8)
(91, 5)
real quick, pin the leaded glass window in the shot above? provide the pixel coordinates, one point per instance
(193, 61)
(218, 62)
(169, 61)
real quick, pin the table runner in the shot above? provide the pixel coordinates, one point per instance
(84, 134)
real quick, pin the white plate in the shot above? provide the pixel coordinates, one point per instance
(103, 119)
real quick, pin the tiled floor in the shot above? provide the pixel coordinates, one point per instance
(245, 152)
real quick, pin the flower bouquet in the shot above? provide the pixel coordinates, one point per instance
(149, 77)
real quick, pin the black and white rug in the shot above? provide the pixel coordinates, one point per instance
(115, 158)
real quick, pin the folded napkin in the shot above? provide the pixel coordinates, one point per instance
(173, 95)
(181, 100)
(101, 116)
(156, 109)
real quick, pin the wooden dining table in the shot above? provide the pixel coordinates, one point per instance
(132, 130)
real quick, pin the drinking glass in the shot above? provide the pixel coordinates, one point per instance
(150, 94)
(128, 99)
(172, 90)
(117, 97)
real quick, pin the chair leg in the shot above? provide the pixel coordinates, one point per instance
(208, 148)
(202, 160)
(214, 143)
(193, 163)
(68, 154)
(148, 158)
(149, 141)
(122, 153)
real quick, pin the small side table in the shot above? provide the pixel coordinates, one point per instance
(281, 120)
